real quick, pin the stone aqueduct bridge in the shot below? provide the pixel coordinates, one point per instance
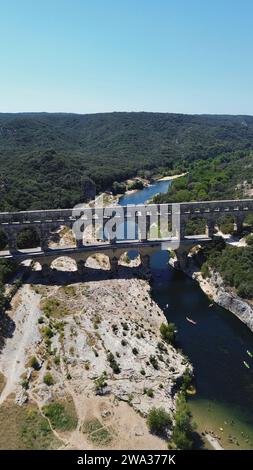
(44, 222)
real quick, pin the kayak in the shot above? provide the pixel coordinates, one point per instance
(246, 365)
(249, 353)
(191, 321)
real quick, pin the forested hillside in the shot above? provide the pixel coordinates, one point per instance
(44, 157)
(227, 176)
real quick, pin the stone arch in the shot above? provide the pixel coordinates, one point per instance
(62, 263)
(92, 233)
(195, 226)
(227, 223)
(249, 220)
(61, 237)
(97, 260)
(129, 256)
(28, 238)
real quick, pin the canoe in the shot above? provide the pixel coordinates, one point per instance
(246, 364)
(191, 321)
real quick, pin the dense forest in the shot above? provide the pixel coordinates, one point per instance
(222, 177)
(45, 159)
(234, 264)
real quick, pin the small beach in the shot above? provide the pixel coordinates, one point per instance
(171, 178)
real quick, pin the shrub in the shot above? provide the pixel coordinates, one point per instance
(125, 326)
(186, 380)
(57, 360)
(113, 363)
(114, 329)
(149, 392)
(48, 379)
(100, 382)
(161, 346)
(61, 415)
(168, 332)
(54, 308)
(25, 384)
(249, 239)
(154, 362)
(158, 421)
(205, 270)
(47, 331)
(135, 351)
(34, 363)
(137, 184)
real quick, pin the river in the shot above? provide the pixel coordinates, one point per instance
(216, 346)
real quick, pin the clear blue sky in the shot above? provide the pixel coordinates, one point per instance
(86, 56)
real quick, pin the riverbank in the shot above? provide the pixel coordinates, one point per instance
(109, 198)
(223, 296)
(171, 178)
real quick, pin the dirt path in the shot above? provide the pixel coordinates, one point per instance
(25, 337)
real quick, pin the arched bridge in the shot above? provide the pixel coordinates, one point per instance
(90, 224)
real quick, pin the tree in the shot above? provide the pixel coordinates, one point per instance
(28, 238)
(158, 421)
(137, 184)
(183, 428)
(168, 332)
(118, 188)
(2, 297)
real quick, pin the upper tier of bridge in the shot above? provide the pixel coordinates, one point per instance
(170, 220)
(187, 209)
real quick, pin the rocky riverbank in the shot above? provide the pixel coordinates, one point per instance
(219, 293)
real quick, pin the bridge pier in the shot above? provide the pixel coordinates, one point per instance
(79, 243)
(210, 227)
(114, 264)
(44, 244)
(46, 270)
(181, 233)
(182, 258)
(145, 261)
(12, 242)
(80, 267)
(239, 224)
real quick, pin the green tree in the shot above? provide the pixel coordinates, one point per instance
(168, 332)
(158, 421)
(183, 427)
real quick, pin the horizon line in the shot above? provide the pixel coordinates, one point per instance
(125, 112)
